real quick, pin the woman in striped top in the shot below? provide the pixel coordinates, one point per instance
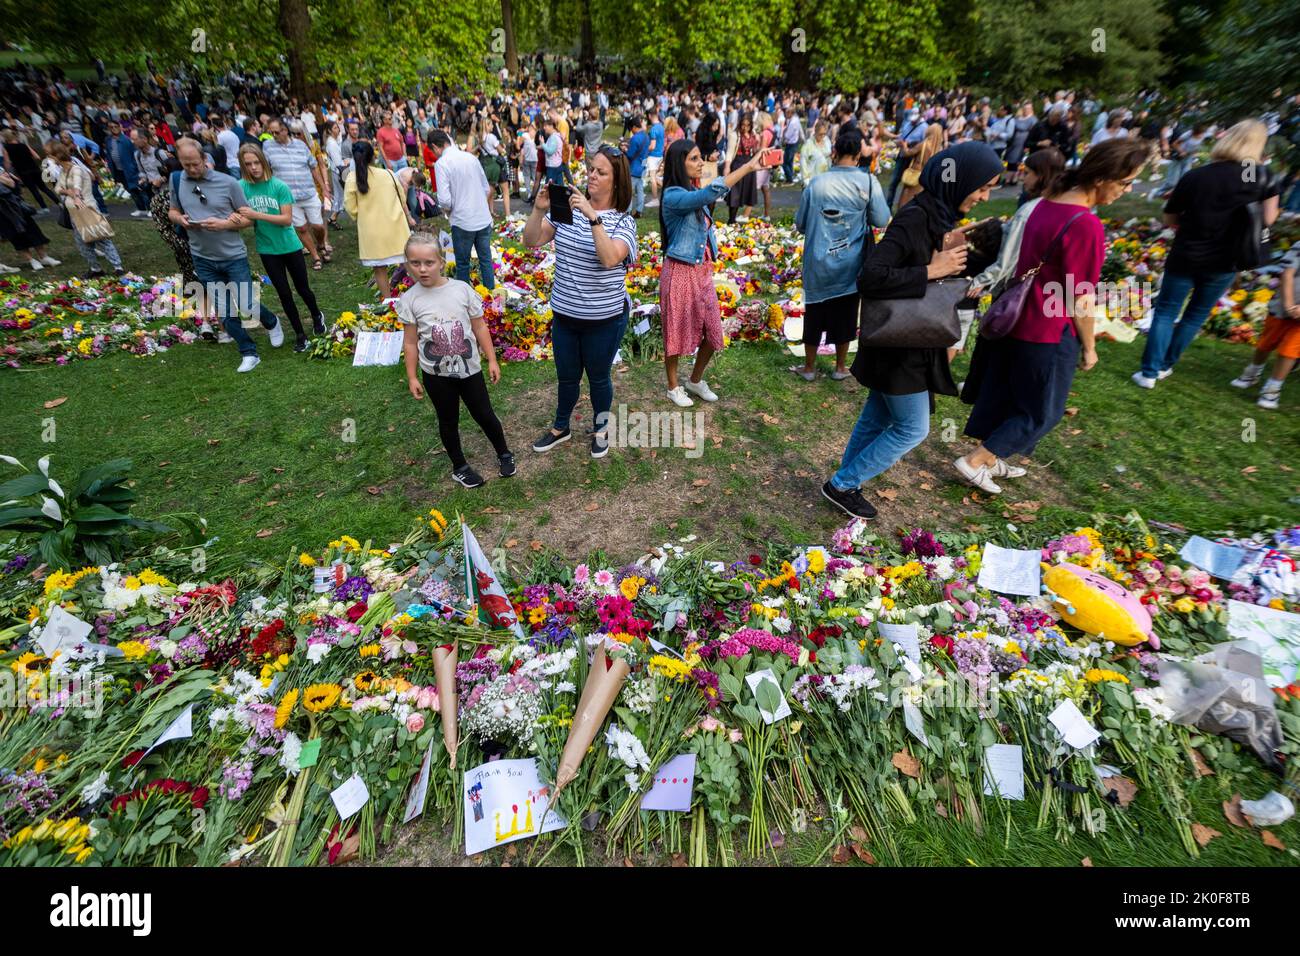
(589, 302)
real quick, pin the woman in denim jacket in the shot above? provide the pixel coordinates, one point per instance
(688, 301)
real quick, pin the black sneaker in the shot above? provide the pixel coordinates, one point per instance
(549, 439)
(301, 344)
(850, 502)
(318, 324)
(599, 445)
(507, 465)
(468, 477)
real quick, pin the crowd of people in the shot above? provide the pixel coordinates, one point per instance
(205, 161)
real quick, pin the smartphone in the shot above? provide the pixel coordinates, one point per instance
(561, 211)
(772, 157)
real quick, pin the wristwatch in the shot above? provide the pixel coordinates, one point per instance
(594, 221)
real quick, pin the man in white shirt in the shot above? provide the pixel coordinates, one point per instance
(229, 142)
(462, 194)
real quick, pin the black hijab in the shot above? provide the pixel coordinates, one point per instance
(948, 178)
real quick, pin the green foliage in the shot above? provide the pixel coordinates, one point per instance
(1253, 57)
(90, 523)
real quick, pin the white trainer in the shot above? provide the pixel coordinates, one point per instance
(1004, 469)
(1250, 376)
(49, 260)
(277, 334)
(249, 363)
(679, 397)
(1161, 376)
(1269, 398)
(1141, 381)
(700, 388)
(980, 477)
(7, 270)
(36, 265)
(223, 337)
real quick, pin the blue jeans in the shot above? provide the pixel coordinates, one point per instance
(228, 287)
(396, 164)
(889, 427)
(1165, 340)
(638, 194)
(580, 345)
(480, 240)
(787, 160)
(1174, 171)
(555, 174)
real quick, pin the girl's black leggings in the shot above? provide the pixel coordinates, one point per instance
(280, 269)
(446, 394)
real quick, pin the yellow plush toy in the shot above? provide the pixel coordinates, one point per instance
(1097, 605)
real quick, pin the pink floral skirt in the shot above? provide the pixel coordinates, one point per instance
(688, 307)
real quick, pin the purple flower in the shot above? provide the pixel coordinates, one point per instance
(355, 588)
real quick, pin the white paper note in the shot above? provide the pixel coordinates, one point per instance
(178, 729)
(1276, 633)
(902, 634)
(378, 348)
(63, 630)
(1004, 772)
(783, 709)
(420, 789)
(504, 801)
(1073, 726)
(350, 796)
(642, 327)
(914, 722)
(913, 671)
(1011, 571)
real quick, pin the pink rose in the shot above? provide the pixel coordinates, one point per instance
(427, 699)
(710, 724)
(1150, 575)
(1174, 572)
(1177, 589)
(1198, 578)
(415, 723)
(735, 736)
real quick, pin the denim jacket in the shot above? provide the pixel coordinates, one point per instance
(835, 211)
(687, 221)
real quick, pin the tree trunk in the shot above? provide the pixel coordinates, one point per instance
(587, 51)
(294, 21)
(508, 22)
(796, 60)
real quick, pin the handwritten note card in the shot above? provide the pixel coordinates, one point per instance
(1004, 772)
(504, 801)
(672, 785)
(350, 796)
(1073, 726)
(1010, 571)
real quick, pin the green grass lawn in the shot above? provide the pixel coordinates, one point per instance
(303, 450)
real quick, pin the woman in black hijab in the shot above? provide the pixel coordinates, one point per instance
(920, 245)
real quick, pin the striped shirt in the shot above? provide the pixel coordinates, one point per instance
(292, 164)
(583, 288)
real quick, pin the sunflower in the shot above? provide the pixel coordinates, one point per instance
(321, 697)
(285, 708)
(369, 650)
(25, 662)
(365, 681)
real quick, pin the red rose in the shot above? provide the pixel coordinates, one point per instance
(131, 759)
(755, 560)
(794, 584)
(355, 612)
(941, 642)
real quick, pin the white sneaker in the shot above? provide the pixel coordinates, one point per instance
(223, 337)
(679, 397)
(1141, 381)
(1161, 376)
(1269, 399)
(249, 363)
(1248, 377)
(1004, 469)
(49, 261)
(700, 388)
(36, 265)
(140, 214)
(277, 334)
(7, 270)
(980, 477)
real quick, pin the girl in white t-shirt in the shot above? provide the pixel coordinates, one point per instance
(446, 335)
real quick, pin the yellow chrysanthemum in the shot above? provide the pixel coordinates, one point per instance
(306, 560)
(1098, 675)
(631, 587)
(133, 650)
(669, 667)
(321, 697)
(150, 576)
(284, 710)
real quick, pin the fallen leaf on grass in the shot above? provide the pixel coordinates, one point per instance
(863, 854)
(1249, 470)
(926, 486)
(770, 419)
(163, 464)
(1203, 834)
(512, 542)
(1232, 810)
(679, 859)
(535, 545)
(907, 764)
(1202, 768)
(56, 402)
(320, 494)
(489, 510)
(1124, 788)
(1086, 861)
(627, 861)
(841, 854)
(265, 533)
(272, 504)
(1270, 840)
(700, 483)
(214, 441)
(591, 507)
(889, 494)
(1072, 410)
(373, 490)
(278, 471)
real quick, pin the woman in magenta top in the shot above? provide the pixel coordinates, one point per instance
(1019, 384)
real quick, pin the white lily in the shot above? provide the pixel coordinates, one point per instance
(9, 460)
(57, 489)
(50, 508)
(44, 466)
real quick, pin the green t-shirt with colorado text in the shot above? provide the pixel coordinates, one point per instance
(268, 196)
